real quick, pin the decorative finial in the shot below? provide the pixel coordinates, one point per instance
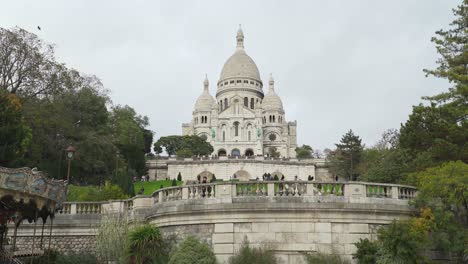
(240, 37)
(206, 83)
(271, 82)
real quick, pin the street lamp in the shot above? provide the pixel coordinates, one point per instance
(70, 153)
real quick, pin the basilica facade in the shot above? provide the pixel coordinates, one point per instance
(241, 120)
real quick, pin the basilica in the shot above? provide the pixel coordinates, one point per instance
(241, 120)
(246, 127)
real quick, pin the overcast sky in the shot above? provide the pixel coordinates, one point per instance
(338, 65)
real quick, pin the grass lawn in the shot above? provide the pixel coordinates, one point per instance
(152, 186)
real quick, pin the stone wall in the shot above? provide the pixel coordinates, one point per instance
(304, 217)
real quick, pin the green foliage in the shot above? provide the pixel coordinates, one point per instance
(179, 177)
(111, 239)
(399, 243)
(319, 258)
(146, 245)
(247, 254)
(347, 156)
(304, 152)
(443, 190)
(60, 106)
(192, 251)
(153, 186)
(15, 135)
(57, 258)
(438, 133)
(124, 180)
(93, 193)
(174, 182)
(276, 178)
(183, 146)
(366, 252)
(382, 165)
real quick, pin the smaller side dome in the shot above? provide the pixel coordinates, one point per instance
(205, 101)
(271, 101)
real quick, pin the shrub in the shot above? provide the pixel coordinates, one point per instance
(174, 182)
(276, 178)
(146, 245)
(366, 252)
(246, 254)
(179, 177)
(192, 251)
(111, 238)
(319, 258)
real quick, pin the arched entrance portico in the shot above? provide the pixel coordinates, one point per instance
(249, 152)
(242, 175)
(235, 152)
(221, 152)
(204, 174)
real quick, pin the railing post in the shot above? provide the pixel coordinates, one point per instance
(161, 196)
(271, 189)
(73, 208)
(395, 192)
(354, 190)
(310, 189)
(185, 193)
(223, 190)
(233, 189)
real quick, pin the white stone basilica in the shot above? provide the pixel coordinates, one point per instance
(242, 120)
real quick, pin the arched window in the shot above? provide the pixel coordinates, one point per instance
(236, 129)
(252, 103)
(273, 119)
(249, 136)
(235, 152)
(225, 103)
(224, 135)
(246, 102)
(221, 105)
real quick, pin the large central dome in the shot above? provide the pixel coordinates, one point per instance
(240, 65)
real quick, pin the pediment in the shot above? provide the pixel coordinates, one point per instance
(237, 111)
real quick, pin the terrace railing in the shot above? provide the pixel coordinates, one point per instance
(240, 189)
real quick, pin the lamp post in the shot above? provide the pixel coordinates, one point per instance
(70, 153)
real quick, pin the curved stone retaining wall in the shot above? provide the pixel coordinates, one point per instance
(291, 217)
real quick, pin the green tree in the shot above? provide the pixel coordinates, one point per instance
(179, 177)
(146, 245)
(444, 191)
(28, 67)
(252, 255)
(129, 129)
(438, 132)
(366, 252)
(385, 162)
(347, 156)
(192, 251)
(399, 243)
(183, 146)
(304, 152)
(15, 135)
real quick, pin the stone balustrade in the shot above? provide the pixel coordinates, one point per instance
(241, 189)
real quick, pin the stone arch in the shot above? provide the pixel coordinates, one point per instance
(221, 152)
(277, 173)
(242, 175)
(207, 174)
(235, 152)
(249, 152)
